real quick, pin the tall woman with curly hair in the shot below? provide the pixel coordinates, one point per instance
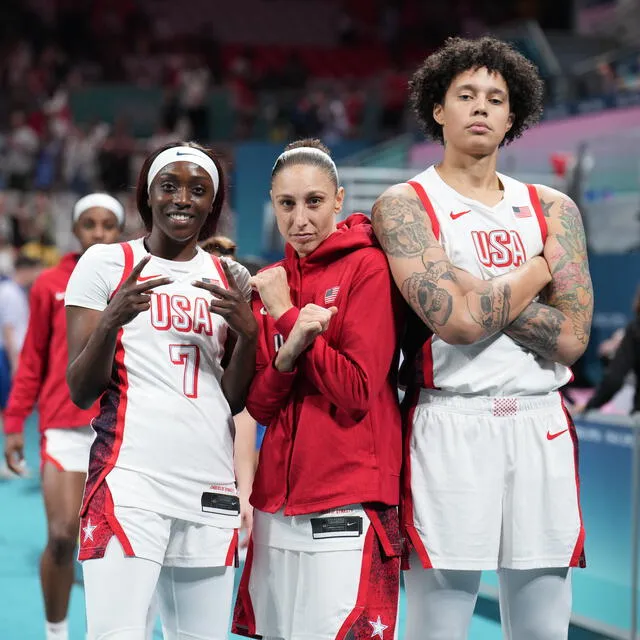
(496, 273)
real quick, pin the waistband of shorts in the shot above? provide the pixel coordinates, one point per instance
(498, 406)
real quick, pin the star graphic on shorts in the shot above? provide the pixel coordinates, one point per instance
(378, 628)
(88, 530)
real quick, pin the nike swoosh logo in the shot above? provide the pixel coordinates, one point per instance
(455, 216)
(145, 278)
(181, 153)
(553, 436)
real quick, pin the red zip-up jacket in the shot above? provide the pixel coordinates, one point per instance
(334, 434)
(41, 375)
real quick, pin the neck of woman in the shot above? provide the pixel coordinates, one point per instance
(159, 245)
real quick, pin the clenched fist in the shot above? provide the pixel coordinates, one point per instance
(312, 321)
(273, 288)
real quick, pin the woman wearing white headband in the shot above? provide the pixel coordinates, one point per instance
(164, 332)
(66, 435)
(325, 544)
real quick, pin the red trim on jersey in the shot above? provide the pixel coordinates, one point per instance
(230, 560)
(427, 364)
(363, 587)
(116, 527)
(128, 265)
(407, 499)
(218, 266)
(123, 387)
(578, 558)
(244, 619)
(426, 203)
(535, 201)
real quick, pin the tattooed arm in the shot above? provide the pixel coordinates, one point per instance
(559, 329)
(459, 314)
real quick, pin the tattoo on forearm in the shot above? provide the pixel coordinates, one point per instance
(538, 328)
(490, 307)
(571, 290)
(400, 225)
(431, 302)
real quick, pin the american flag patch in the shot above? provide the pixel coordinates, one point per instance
(330, 295)
(522, 212)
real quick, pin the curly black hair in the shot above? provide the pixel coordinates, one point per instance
(431, 81)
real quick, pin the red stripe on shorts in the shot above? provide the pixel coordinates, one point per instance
(407, 498)
(578, 558)
(376, 608)
(244, 619)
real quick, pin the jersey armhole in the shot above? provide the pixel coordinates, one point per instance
(127, 268)
(218, 265)
(426, 203)
(542, 221)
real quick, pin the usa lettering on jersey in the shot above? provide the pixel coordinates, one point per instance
(499, 248)
(178, 312)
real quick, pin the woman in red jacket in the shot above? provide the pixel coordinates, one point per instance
(323, 560)
(66, 435)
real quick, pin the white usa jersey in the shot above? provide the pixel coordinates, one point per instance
(486, 242)
(164, 436)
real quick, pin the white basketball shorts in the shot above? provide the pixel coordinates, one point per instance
(322, 576)
(67, 449)
(171, 542)
(493, 483)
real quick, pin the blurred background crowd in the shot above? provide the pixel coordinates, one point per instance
(89, 88)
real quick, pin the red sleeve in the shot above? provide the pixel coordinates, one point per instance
(284, 324)
(352, 375)
(270, 389)
(32, 366)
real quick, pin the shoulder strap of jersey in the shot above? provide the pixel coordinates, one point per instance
(535, 201)
(128, 265)
(426, 203)
(218, 265)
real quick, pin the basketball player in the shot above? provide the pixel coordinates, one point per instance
(150, 324)
(492, 470)
(66, 435)
(324, 556)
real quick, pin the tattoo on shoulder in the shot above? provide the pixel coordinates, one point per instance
(546, 206)
(401, 227)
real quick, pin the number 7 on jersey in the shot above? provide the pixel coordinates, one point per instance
(187, 355)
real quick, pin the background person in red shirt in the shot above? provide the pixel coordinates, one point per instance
(66, 435)
(323, 560)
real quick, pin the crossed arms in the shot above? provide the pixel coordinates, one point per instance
(462, 309)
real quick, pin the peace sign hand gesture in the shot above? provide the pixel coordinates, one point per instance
(132, 297)
(231, 305)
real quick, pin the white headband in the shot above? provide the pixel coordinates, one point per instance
(103, 200)
(184, 154)
(319, 152)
